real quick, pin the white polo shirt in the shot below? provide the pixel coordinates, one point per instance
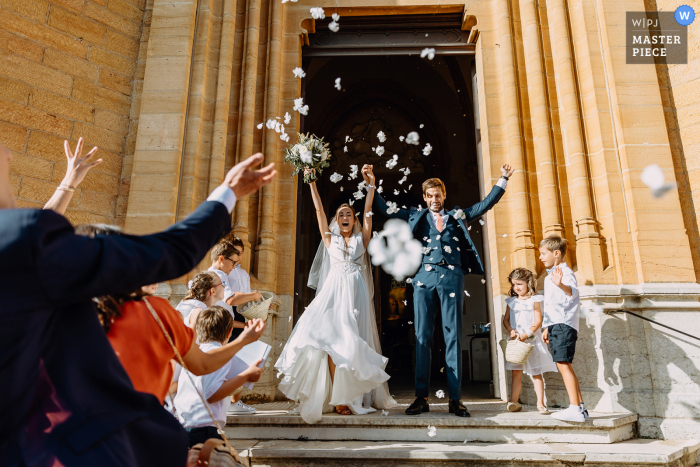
(239, 280)
(188, 404)
(559, 308)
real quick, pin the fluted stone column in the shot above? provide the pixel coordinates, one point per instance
(588, 242)
(246, 126)
(550, 204)
(525, 249)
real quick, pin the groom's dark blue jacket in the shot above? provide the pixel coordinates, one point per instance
(470, 261)
(54, 355)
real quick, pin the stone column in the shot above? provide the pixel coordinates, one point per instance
(155, 177)
(266, 258)
(246, 126)
(550, 205)
(524, 251)
(217, 167)
(589, 256)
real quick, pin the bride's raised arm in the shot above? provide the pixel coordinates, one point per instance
(320, 213)
(368, 175)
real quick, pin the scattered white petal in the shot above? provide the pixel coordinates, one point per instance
(402, 180)
(410, 322)
(459, 214)
(425, 238)
(429, 240)
(442, 370)
(467, 293)
(384, 412)
(405, 302)
(300, 107)
(428, 267)
(455, 239)
(428, 52)
(421, 125)
(426, 251)
(381, 136)
(351, 202)
(405, 170)
(353, 172)
(336, 177)
(469, 228)
(341, 188)
(287, 118)
(391, 208)
(438, 237)
(483, 281)
(653, 177)
(380, 190)
(427, 149)
(409, 280)
(452, 295)
(290, 319)
(440, 394)
(391, 163)
(401, 138)
(359, 195)
(419, 283)
(348, 139)
(334, 26)
(335, 16)
(481, 221)
(442, 276)
(379, 150)
(369, 214)
(395, 249)
(345, 149)
(451, 267)
(260, 126)
(505, 235)
(337, 82)
(447, 249)
(409, 186)
(404, 206)
(381, 181)
(317, 13)
(412, 138)
(396, 192)
(299, 72)
(504, 258)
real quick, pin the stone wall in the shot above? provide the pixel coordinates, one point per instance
(70, 68)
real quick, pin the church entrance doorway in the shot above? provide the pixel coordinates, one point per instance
(391, 89)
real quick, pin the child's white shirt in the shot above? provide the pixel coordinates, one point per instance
(185, 307)
(188, 404)
(239, 280)
(228, 292)
(560, 308)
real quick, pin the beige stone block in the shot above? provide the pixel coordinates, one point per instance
(12, 136)
(127, 166)
(112, 121)
(71, 65)
(101, 182)
(31, 166)
(163, 102)
(15, 182)
(40, 33)
(169, 46)
(100, 137)
(160, 132)
(20, 46)
(24, 204)
(57, 105)
(100, 203)
(116, 81)
(75, 5)
(167, 74)
(34, 9)
(77, 217)
(111, 60)
(119, 43)
(126, 9)
(157, 162)
(32, 118)
(173, 19)
(77, 25)
(101, 97)
(34, 74)
(14, 90)
(41, 191)
(112, 20)
(47, 146)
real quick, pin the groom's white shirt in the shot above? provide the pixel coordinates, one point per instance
(502, 182)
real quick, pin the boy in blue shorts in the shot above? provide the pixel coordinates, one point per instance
(561, 315)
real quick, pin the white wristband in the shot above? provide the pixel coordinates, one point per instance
(529, 332)
(370, 186)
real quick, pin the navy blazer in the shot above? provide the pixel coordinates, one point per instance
(52, 344)
(471, 263)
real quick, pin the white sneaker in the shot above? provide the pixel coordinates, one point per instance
(239, 408)
(584, 411)
(572, 414)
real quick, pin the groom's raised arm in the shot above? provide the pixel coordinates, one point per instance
(381, 207)
(482, 207)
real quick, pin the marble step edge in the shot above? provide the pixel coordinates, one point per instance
(684, 452)
(446, 422)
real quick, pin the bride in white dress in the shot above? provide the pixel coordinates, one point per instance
(333, 359)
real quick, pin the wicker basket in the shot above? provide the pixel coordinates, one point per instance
(516, 351)
(260, 310)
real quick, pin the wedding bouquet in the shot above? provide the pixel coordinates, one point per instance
(309, 151)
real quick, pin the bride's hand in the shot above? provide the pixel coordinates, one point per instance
(367, 174)
(308, 171)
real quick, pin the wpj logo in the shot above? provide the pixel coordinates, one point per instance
(657, 37)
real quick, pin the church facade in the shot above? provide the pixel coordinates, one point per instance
(175, 92)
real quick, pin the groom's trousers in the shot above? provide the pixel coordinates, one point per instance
(439, 290)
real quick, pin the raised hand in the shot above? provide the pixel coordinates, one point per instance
(557, 275)
(507, 170)
(252, 331)
(244, 181)
(368, 174)
(78, 166)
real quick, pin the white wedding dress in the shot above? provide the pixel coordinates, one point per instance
(339, 322)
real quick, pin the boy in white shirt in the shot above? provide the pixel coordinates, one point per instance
(561, 316)
(238, 278)
(214, 326)
(224, 256)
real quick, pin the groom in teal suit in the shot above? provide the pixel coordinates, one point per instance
(449, 255)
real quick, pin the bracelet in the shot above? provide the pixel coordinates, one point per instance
(529, 332)
(370, 186)
(503, 176)
(69, 188)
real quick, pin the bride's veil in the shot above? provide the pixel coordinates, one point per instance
(317, 276)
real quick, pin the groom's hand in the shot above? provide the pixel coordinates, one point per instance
(507, 170)
(244, 181)
(367, 174)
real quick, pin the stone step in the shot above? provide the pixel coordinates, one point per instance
(489, 423)
(637, 452)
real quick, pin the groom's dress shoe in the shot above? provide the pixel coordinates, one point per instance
(457, 408)
(419, 406)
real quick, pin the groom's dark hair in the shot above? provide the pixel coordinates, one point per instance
(433, 183)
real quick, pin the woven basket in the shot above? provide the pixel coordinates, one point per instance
(260, 310)
(516, 351)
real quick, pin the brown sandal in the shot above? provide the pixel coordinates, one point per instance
(343, 410)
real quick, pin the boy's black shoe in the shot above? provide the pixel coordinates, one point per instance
(457, 408)
(419, 406)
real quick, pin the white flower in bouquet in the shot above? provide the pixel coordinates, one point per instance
(396, 250)
(308, 152)
(381, 136)
(412, 138)
(317, 13)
